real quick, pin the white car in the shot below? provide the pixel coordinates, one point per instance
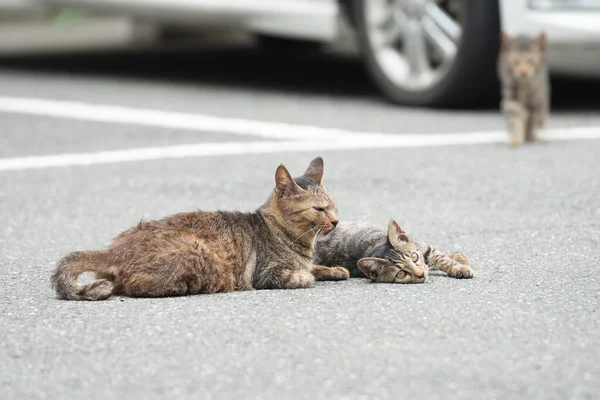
(417, 52)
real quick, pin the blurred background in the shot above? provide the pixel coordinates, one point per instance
(438, 53)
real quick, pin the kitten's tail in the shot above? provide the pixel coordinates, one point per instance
(64, 278)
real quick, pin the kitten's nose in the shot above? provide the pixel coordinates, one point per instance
(334, 223)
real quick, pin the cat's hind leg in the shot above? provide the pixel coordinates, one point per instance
(175, 274)
(322, 273)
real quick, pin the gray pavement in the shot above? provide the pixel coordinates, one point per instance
(525, 327)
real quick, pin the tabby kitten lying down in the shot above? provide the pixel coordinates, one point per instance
(213, 251)
(390, 257)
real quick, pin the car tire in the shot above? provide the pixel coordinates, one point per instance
(468, 81)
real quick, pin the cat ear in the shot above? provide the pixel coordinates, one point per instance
(541, 40)
(284, 184)
(396, 235)
(315, 170)
(505, 41)
(371, 266)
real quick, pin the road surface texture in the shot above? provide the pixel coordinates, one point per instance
(525, 327)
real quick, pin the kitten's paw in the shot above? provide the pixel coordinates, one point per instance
(514, 142)
(533, 137)
(460, 258)
(461, 272)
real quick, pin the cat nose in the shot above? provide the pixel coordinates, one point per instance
(420, 276)
(334, 223)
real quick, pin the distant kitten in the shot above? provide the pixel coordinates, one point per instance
(213, 251)
(523, 73)
(390, 257)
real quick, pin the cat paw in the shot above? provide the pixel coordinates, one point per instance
(460, 258)
(300, 280)
(338, 274)
(514, 143)
(461, 272)
(322, 273)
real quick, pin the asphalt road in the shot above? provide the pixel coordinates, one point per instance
(525, 327)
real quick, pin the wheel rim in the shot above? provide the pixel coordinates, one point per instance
(414, 42)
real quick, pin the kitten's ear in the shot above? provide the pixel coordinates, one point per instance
(505, 41)
(396, 235)
(541, 40)
(371, 266)
(315, 170)
(284, 183)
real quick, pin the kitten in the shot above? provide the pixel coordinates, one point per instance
(390, 257)
(523, 73)
(213, 251)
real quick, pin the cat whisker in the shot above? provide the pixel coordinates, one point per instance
(308, 231)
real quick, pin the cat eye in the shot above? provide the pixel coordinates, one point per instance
(320, 209)
(401, 274)
(414, 256)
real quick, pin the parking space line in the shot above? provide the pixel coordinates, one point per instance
(350, 142)
(163, 119)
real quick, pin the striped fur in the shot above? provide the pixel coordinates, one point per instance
(523, 73)
(213, 251)
(386, 257)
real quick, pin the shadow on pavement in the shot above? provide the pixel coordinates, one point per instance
(249, 68)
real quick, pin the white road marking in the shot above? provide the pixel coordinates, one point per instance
(350, 142)
(162, 119)
(294, 138)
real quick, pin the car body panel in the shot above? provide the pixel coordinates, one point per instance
(572, 29)
(303, 19)
(572, 26)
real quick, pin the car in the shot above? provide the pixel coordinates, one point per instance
(427, 53)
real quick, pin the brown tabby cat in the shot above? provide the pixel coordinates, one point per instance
(218, 251)
(523, 73)
(390, 257)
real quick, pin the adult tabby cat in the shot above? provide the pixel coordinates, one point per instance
(213, 251)
(523, 73)
(386, 257)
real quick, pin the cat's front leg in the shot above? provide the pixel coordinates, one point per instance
(517, 122)
(539, 116)
(460, 258)
(322, 273)
(300, 279)
(277, 276)
(455, 265)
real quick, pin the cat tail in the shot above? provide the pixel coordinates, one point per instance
(68, 269)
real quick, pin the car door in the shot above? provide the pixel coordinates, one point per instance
(303, 19)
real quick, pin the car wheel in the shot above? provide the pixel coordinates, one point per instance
(433, 53)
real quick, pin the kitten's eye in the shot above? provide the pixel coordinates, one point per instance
(414, 256)
(401, 274)
(320, 209)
